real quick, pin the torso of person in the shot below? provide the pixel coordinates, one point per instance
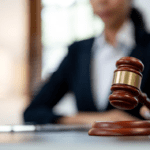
(104, 60)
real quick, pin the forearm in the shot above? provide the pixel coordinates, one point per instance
(40, 115)
(89, 118)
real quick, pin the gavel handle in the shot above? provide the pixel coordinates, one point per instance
(144, 100)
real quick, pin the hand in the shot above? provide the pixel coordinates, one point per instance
(91, 117)
(145, 112)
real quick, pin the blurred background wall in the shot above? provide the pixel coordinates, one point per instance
(14, 48)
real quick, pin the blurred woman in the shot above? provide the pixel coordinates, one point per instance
(87, 71)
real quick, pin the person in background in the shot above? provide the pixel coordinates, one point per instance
(87, 70)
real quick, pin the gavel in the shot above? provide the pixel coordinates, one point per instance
(126, 84)
(126, 94)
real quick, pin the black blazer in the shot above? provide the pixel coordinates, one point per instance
(74, 76)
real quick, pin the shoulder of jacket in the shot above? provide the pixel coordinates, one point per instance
(77, 45)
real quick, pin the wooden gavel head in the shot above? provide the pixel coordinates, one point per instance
(126, 84)
(126, 95)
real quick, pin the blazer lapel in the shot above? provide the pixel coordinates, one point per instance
(85, 76)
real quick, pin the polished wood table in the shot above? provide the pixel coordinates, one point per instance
(69, 140)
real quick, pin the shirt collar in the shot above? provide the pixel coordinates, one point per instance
(125, 37)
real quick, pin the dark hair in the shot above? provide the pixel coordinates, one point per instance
(137, 18)
(138, 21)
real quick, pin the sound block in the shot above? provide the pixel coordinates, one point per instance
(120, 128)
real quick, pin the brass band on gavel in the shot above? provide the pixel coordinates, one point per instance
(128, 78)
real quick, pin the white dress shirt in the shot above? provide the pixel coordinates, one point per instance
(104, 60)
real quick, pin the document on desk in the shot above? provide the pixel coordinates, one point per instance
(43, 128)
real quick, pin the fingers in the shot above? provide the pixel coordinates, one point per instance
(145, 112)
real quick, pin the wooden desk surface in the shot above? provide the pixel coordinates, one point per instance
(70, 140)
